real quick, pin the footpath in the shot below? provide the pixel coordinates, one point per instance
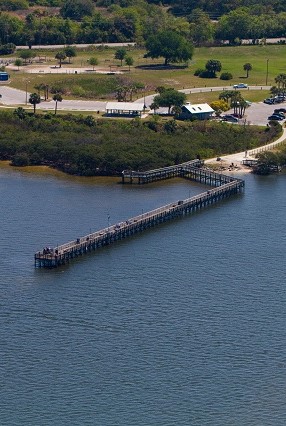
(233, 162)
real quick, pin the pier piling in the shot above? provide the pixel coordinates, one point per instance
(223, 187)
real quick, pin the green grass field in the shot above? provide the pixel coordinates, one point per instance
(146, 71)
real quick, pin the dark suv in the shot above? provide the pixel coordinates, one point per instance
(230, 118)
(279, 110)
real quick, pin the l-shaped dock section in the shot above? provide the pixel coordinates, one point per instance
(224, 187)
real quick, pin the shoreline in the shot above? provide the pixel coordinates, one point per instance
(224, 166)
(226, 163)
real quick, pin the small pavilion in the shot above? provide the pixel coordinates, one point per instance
(125, 109)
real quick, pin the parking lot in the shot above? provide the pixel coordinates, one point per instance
(259, 112)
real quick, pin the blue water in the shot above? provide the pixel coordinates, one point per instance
(182, 325)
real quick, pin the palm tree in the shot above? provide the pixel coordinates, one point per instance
(235, 101)
(60, 56)
(34, 99)
(239, 104)
(280, 80)
(226, 95)
(242, 107)
(57, 98)
(154, 106)
(247, 67)
(274, 90)
(46, 91)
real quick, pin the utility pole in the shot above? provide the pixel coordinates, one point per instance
(267, 61)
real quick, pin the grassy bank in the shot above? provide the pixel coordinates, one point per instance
(151, 72)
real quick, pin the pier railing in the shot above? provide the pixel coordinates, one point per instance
(224, 186)
(132, 176)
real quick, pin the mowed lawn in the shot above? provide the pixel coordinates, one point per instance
(152, 73)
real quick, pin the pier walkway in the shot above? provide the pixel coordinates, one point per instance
(224, 186)
(131, 176)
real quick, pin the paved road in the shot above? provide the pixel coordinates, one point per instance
(69, 105)
(11, 96)
(15, 97)
(257, 113)
(62, 46)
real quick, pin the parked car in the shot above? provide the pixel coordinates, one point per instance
(280, 110)
(230, 118)
(240, 86)
(278, 100)
(275, 117)
(281, 114)
(269, 101)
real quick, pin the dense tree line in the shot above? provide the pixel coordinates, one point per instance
(270, 162)
(75, 24)
(220, 7)
(82, 21)
(85, 146)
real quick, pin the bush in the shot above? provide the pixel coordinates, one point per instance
(199, 71)
(7, 49)
(78, 91)
(275, 124)
(219, 105)
(206, 74)
(20, 160)
(226, 76)
(13, 5)
(58, 89)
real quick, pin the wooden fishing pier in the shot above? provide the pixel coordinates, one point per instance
(131, 176)
(224, 187)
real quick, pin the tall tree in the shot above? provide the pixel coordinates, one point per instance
(70, 52)
(26, 54)
(238, 103)
(34, 99)
(170, 98)
(129, 61)
(280, 80)
(201, 27)
(213, 66)
(76, 9)
(247, 67)
(93, 61)
(120, 54)
(57, 98)
(236, 24)
(169, 45)
(60, 56)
